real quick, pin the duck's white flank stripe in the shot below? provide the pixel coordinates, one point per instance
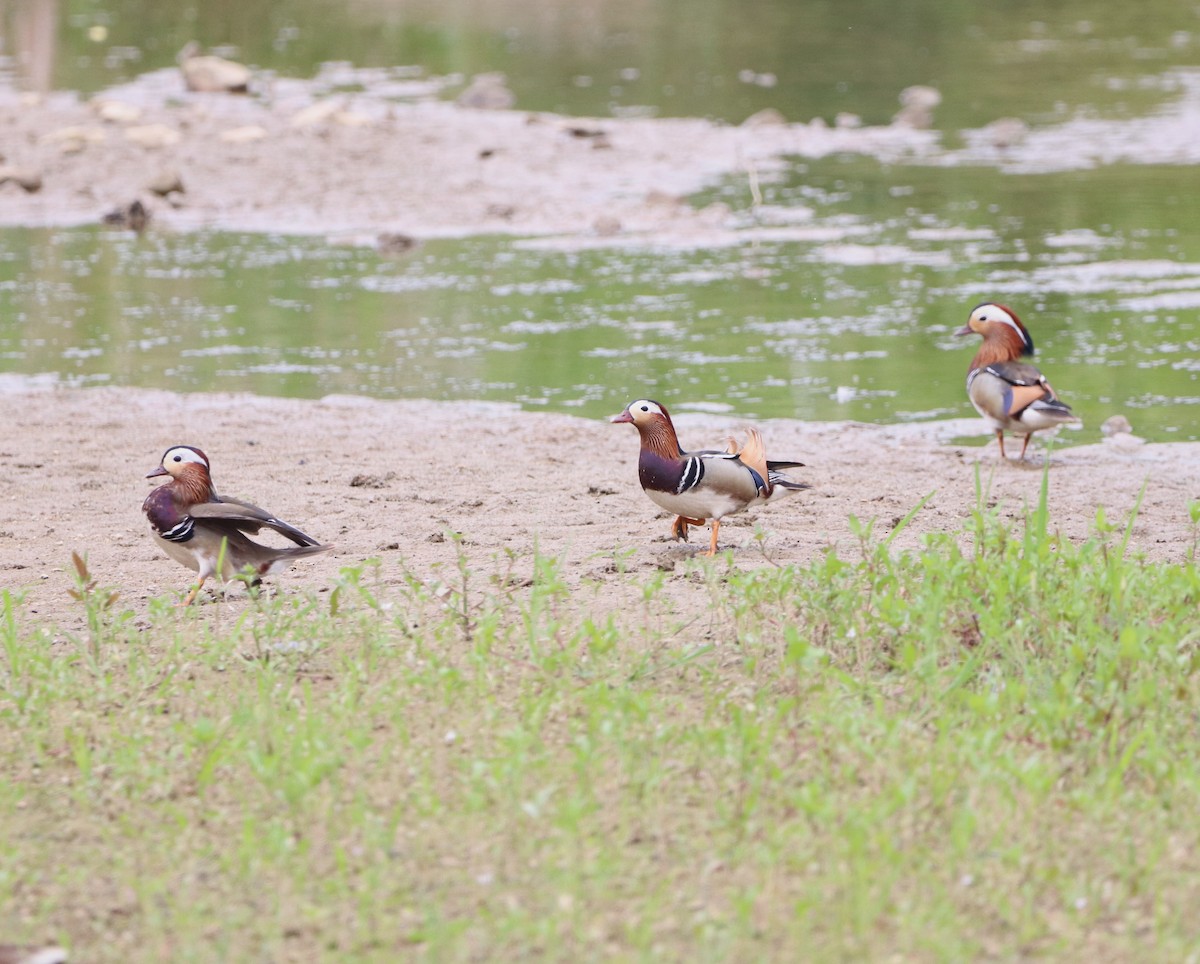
(693, 471)
(181, 531)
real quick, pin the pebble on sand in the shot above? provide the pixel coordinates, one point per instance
(487, 92)
(29, 179)
(916, 107)
(205, 73)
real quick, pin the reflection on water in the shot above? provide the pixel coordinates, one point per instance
(856, 328)
(29, 38)
(851, 318)
(720, 58)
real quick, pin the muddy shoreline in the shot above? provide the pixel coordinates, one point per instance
(393, 481)
(306, 157)
(297, 159)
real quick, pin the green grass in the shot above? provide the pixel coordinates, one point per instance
(983, 748)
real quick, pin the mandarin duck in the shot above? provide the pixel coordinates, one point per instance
(1011, 395)
(201, 530)
(704, 485)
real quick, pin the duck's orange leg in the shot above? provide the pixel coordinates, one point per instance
(1025, 446)
(1000, 439)
(679, 528)
(191, 596)
(712, 546)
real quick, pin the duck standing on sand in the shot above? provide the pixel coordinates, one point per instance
(699, 486)
(1011, 395)
(199, 529)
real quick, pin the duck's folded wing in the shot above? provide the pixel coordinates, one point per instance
(730, 476)
(248, 518)
(1025, 388)
(772, 464)
(1017, 373)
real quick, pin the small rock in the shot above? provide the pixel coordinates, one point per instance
(352, 118)
(663, 198)
(153, 135)
(164, 182)
(365, 481)
(28, 179)
(116, 111)
(767, 117)
(72, 140)
(313, 114)
(134, 216)
(920, 96)
(1123, 442)
(242, 135)
(394, 243)
(1006, 132)
(208, 74)
(487, 92)
(606, 226)
(1115, 424)
(504, 212)
(845, 121)
(576, 130)
(916, 107)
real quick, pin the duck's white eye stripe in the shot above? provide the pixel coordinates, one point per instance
(994, 313)
(182, 454)
(1008, 320)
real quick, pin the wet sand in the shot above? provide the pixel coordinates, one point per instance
(296, 158)
(394, 480)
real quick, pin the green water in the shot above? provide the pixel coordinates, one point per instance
(856, 327)
(674, 57)
(1104, 265)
